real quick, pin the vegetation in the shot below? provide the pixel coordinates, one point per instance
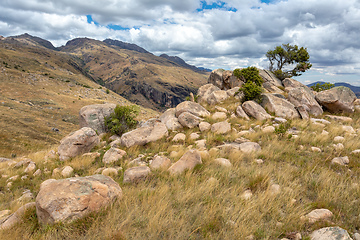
(122, 119)
(288, 55)
(321, 87)
(252, 88)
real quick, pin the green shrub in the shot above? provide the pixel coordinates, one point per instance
(122, 119)
(251, 91)
(253, 82)
(321, 87)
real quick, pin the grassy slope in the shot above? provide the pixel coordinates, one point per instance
(206, 203)
(41, 90)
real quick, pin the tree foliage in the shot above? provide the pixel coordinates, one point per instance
(122, 119)
(252, 88)
(285, 55)
(321, 87)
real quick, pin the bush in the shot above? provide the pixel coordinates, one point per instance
(252, 88)
(122, 119)
(321, 87)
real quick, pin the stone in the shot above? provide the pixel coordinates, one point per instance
(339, 118)
(16, 217)
(303, 111)
(339, 139)
(189, 120)
(180, 137)
(230, 81)
(137, 161)
(66, 200)
(219, 116)
(109, 172)
(330, 233)
(37, 173)
(337, 99)
(216, 97)
(160, 162)
(205, 91)
(279, 106)
(254, 110)
(3, 214)
(302, 97)
(191, 107)
(269, 77)
(241, 113)
(136, 174)
(223, 162)
(319, 120)
(231, 92)
(204, 126)
(249, 147)
(341, 160)
(4, 159)
(268, 129)
(357, 151)
(169, 119)
(221, 109)
(356, 236)
(30, 168)
(246, 195)
(92, 116)
(187, 162)
(216, 78)
(144, 135)
(348, 129)
(280, 120)
(200, 144)
(338, 147)
(77, 143)
(25, 161)
(315, 149)
(290, 83)
(113, 155)
(192, 98)
(221, 127)
(67, 171)
(241, 140)
(318, 215)
(274, 189)
(194, 136)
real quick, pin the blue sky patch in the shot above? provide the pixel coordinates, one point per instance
(215, 5)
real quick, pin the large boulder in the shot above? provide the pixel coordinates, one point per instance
(191, 107)
(189, 120)
(230, 81)
(254, 110)
(92, 116)
(187, 162)
(330, 233)
(217, 97)
(143, 135)
(304, 99)
(205, 91)
(216, 78)
(270, 78)
(170, 120)
(290, 83)
(69, 199)
(77, 143)
(337, 99)
(280, 106)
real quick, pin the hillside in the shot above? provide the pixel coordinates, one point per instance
(41, 92)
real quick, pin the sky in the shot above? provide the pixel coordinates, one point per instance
(213, 34)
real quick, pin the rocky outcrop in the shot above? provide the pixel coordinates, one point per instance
(224, 79)
(271, 82)
(304, 99)
(170, 120)
(337, 99)
(205, 91)
(187, 162)
(77, 143)
(69, 199)
(92, 116)
(254, 110)
(217, 97)
(145, 134)
(279, 106)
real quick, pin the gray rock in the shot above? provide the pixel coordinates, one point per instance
(189, 120)
(191, 107)
(341, 160)
(230, 81)
(180, 137)
(241, 113)
(337, 99)
(92, 116)
(113, 155)
(169, 119)
(217, 97)
(318, 215)
(290, 83)
(204, 126)
(249, 147)
(279, 106)
(221, 127)
(269, 77)
(205, 91)
(160, 162)
(216, 78)
(330, 233)
(17, 217)
(254, 110)
(231, 92)
(219, 116)
(187, 162)
(69, 199)
(223, 162)
(304, 98)
(136, 174)
(77, 143)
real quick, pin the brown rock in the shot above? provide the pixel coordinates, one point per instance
(189, 120)
(304, 97)
(16, 217)
(254, 110)
(160, 162)
(135, 174)
(221, 127)
(205, 91)
(337, 99)
(279, 106)
(187, 162)
(113, 155)
(191, 107)
(92, 116)
(169, 119)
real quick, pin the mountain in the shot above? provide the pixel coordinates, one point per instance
(355, 89)
(34, 41)
(124, 45)
(182, 63)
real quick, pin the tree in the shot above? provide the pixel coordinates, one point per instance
(321, 87)
(288, 55)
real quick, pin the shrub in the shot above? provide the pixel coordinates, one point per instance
(251, 91)
(122, 119)
(252, 88)
(321, 87)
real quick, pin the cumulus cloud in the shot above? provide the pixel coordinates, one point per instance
(209, 33)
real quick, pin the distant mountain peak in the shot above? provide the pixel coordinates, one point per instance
(35, 40)
(125, 45)
(182, 63)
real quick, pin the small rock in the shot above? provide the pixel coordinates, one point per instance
(189, 120)
(339, 139)
(221, 127)
(318, 215)
(223, 162)
(137, 162)
(357, 151)
(113, 155)
(348, 129)
(341, 160)
(325, 133)
(317, 120)
(247, 194)
(160, 162)
(315, 149)
(268, 129)
(30, 168)
(339, 118)
(37, 173)
(200, 144)
(187, 162)
(356, 236)
(249, 147)
(241, 113)
(221, 109)
(259, 161)
(280, 120)
(67, 171)
(275, 189)
(135, 174)
(204, 126)
(194, 136)
(219, 116)
(241, 140)
(180, 137)
(338, 147)
(109, 172)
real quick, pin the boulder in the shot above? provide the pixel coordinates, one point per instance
(160, 162)
(330, 233)
(187, 162)
(249, 147)
(318, 215)
(191, 107)
(180, 137)
(92, 116)
(67, 171)
(69, 199)
(16, 217)
(223, 162)
(230, 81)
(241, 113)
(144, 135)
(77, 143)
(216, 78)
(254, 110)
(270, 78)
(189, 120)
(304, 97)
(290, 83)
(217, 97)
(337, 99)
(169, 119)
(136, 174)
(205, 91)
(279, 106)
(204, 126)
(341, 160)
(231, 92)
(112, 155)
(221, 127)
(219, 116)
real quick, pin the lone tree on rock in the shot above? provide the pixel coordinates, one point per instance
(288, 55)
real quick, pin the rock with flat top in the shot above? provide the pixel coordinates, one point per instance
(337, 99)
(113, 155)
(187, 162)
(191, 107)
(136, 174)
